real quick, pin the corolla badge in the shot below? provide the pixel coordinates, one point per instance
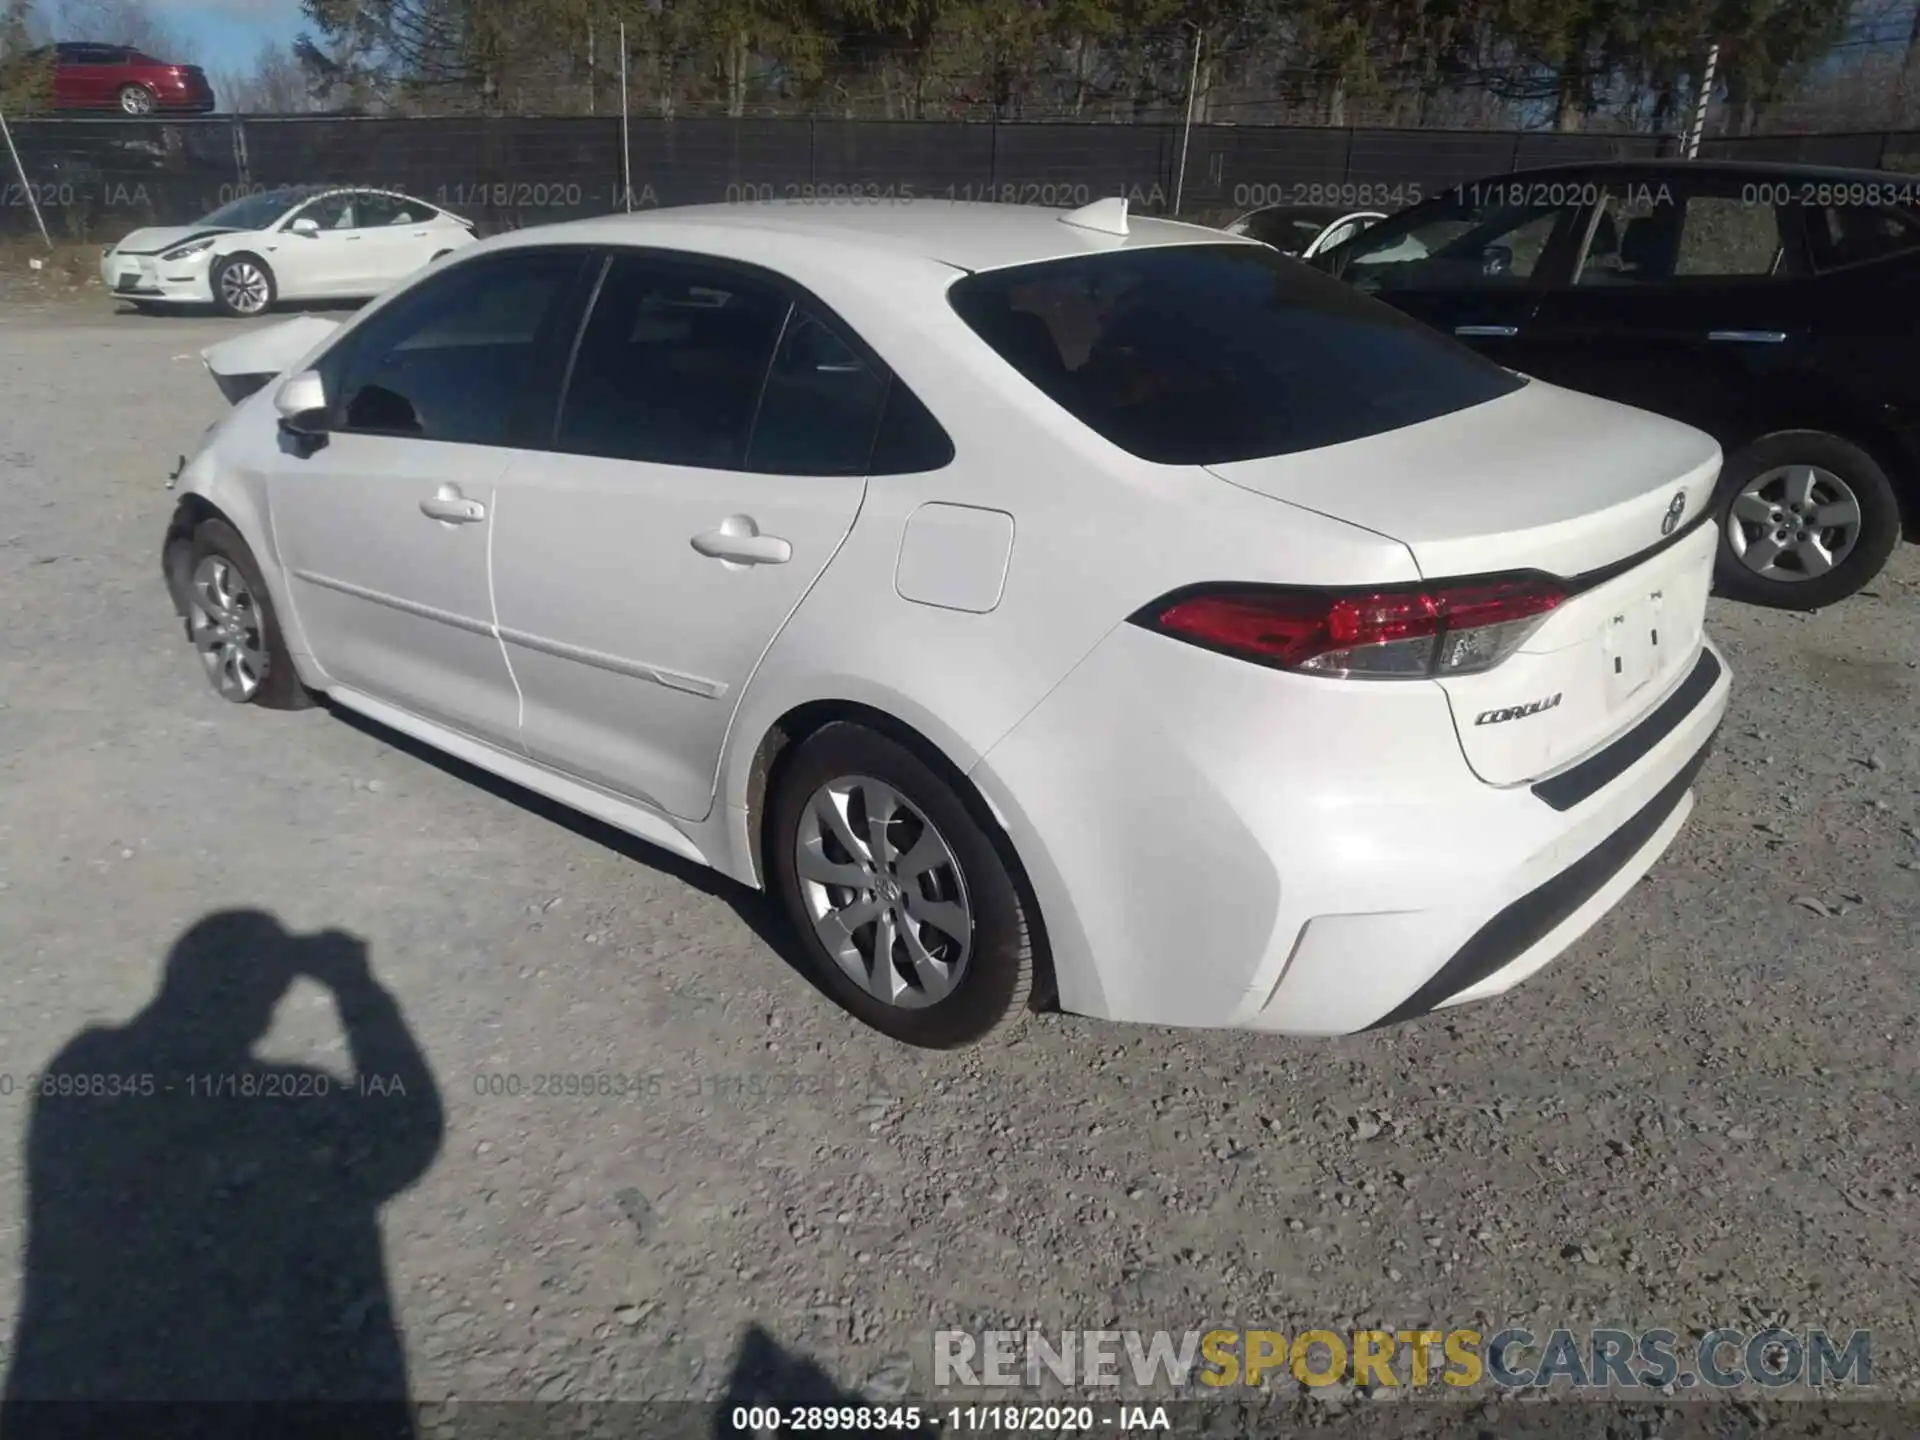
(1674, 512)
(1517, 712)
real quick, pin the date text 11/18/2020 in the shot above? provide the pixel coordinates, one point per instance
(237, 1085)
(955, 1419)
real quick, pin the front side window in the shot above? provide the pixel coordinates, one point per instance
(671, 364)
(252, 212)
(1464, 240)
(1206, 354)
(458, 358)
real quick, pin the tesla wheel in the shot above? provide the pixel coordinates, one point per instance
(1806, 519)
(136, 100)
(899, 894)
(243, 286)
(231, 622)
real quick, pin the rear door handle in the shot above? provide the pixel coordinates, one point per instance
(1487, 331)
(450, 507)
(738, 541)
(1749, 337)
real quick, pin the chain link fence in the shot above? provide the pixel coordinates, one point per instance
(94, 180)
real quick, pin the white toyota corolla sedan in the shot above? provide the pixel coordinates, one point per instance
(292, 244)
(1047, 608)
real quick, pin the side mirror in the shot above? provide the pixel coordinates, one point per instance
(305, 226)
(302, 403)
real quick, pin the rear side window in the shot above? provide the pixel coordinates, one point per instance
(820, 407)
(1724, 235)
(1205, 354)
(671, 365)
(1854, 234)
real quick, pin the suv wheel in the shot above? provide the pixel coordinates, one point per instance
(1806, 519)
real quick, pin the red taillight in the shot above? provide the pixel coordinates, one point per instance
(1434, 630)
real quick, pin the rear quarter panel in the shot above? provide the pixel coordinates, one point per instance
(1097, 534)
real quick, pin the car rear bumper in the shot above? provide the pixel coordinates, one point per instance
(1217, 844)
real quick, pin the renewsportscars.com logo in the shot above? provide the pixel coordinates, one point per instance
(1459, 1359)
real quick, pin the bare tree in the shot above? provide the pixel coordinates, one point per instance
(274, 84)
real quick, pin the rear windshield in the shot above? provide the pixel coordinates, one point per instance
(1204, 354)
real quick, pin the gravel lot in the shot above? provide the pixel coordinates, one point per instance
(1703, 1115)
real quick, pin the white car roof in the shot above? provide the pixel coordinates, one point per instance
(964, 235)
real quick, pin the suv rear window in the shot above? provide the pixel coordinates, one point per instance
(1205, 354)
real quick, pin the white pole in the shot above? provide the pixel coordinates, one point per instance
(1186, 133)
(25, 187)
(593, 107)
(626, 148)
(1700, 109)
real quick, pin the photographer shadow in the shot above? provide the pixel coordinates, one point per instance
(204, 1226)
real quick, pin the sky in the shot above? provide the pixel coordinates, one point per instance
(227, 34)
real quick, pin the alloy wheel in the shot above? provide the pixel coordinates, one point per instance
(884, 891)
(227, 629)
(135, 101)
(1793, 523)
(244, 287)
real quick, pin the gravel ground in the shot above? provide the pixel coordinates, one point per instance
(1703, 1115)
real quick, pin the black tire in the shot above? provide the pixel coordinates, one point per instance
(218, 277)
(1880, 520)
(995, 988)
(280, 687)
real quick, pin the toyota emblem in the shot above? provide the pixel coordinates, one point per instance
(1674, 511)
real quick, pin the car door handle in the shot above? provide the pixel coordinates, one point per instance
(1749, 337)
(1487, 331)
(739, 542)
(449, 506)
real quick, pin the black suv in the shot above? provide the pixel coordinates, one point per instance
(1777, 307)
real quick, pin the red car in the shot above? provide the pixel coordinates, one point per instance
(118, 77)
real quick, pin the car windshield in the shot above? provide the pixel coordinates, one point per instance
(1206, 354)
(251, 212)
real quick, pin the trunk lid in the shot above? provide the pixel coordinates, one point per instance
(1541, 479)
(1547, 480)
(1599, 664)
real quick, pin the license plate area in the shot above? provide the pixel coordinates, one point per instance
(1632, 649)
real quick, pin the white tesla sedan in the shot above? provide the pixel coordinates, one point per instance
(293, 244)
(1047, 608)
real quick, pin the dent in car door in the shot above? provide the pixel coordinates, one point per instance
(384, 529)
(695, 493)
